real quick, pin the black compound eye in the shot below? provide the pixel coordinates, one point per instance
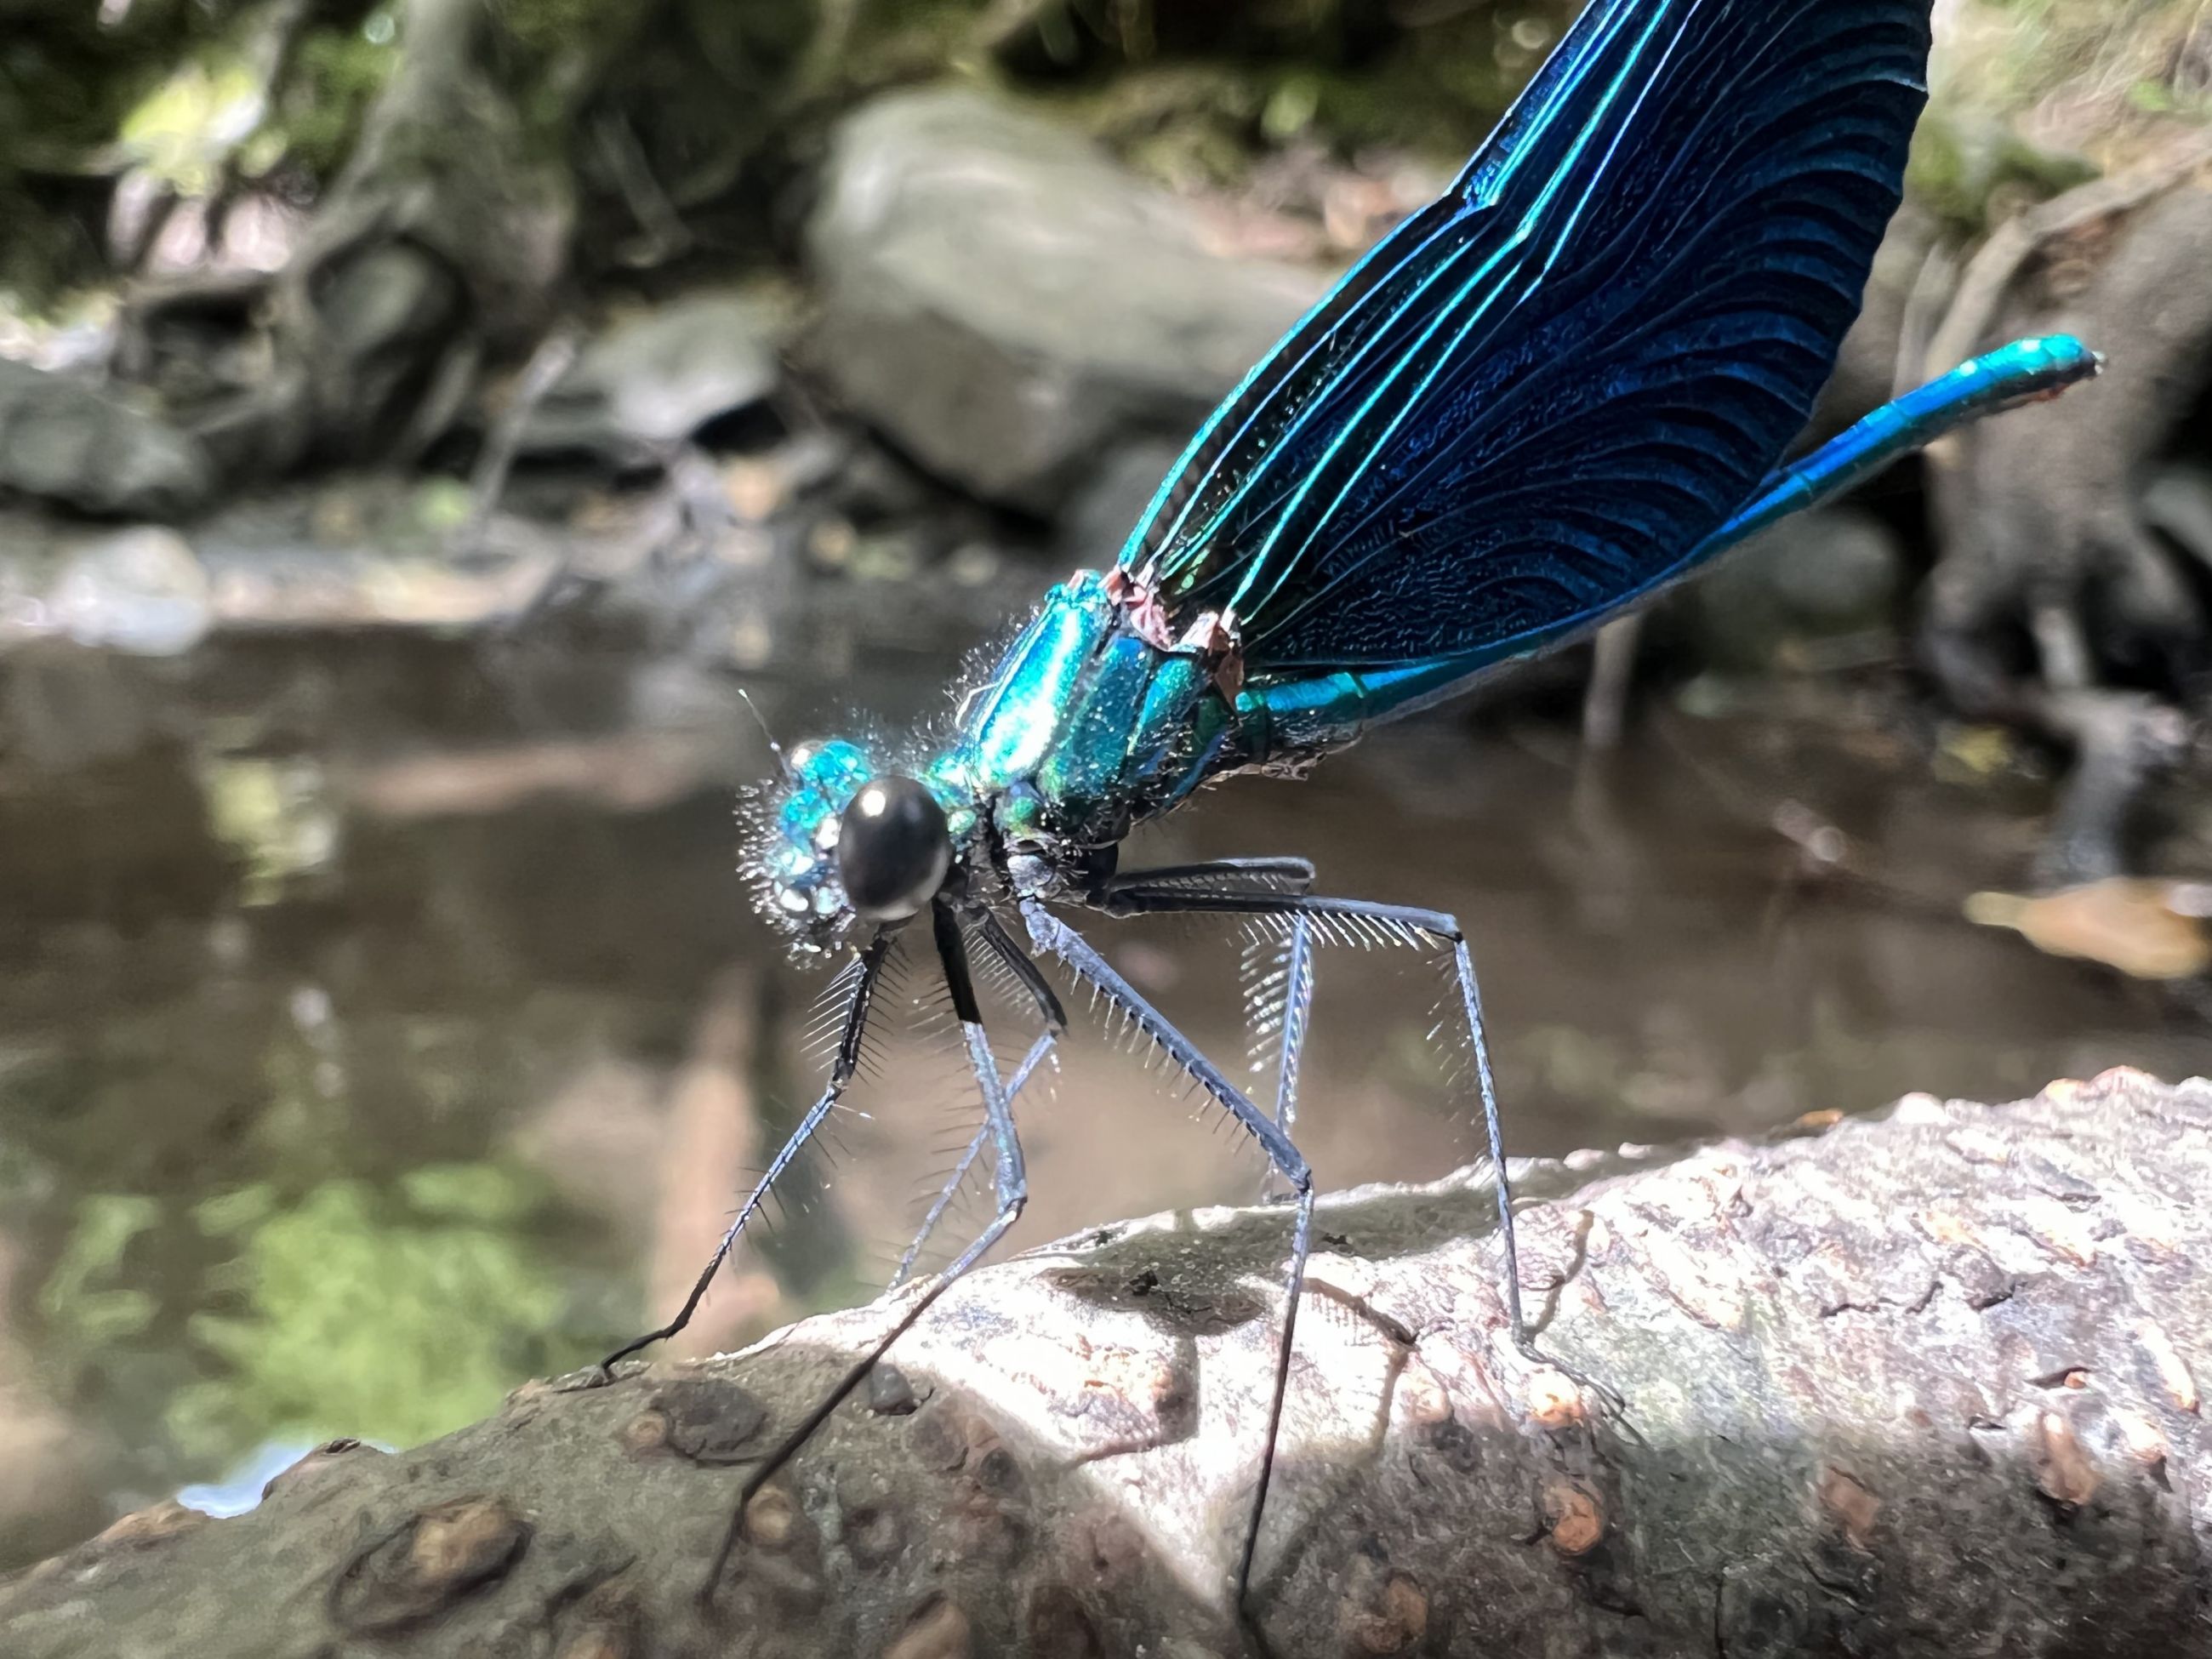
(893, 849)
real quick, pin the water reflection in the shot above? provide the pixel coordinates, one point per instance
(344, 1084)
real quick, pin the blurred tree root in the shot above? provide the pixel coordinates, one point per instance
(1924, 1385)
(437, 247)
(2074, 592)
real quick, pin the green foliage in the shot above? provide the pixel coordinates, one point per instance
(335, 74)
(2097, 75)
(2049, 43)
(81, 1304)
(186, 130)
(1198, 104)
(1975, 173)
(553, 27)
(273, 813)
(67, 80)
(392, 1315)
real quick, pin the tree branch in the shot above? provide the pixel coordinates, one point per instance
(1924, 1385)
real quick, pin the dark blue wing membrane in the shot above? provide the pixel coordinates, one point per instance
(1540, 393)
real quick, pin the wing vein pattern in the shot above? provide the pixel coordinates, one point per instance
(1530, 403)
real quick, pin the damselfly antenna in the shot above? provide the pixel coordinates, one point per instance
(774, 748)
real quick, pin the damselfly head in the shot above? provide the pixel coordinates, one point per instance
(846, 839)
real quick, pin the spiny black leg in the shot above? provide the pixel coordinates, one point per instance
(1001, 944)
(1012, 1190)
(848, 1061)
(1470, 994)
(1122, 894)
(1016, 961)
(1050, 934)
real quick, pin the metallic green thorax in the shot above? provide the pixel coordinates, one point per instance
(1085, 728)
(1080, 730)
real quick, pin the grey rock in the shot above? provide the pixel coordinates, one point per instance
(1100, 513)
(650, 383)
(141, 591)
(67, 440)
(1008, 305)
(2177, 504)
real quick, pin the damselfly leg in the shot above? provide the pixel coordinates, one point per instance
(1010, 1186)
(1053, 937)
(1023, 972)
(867, 977)
(1282, 1002)
(1039, 1052)
(867, 972)
(1310, 919)
(1281, 985)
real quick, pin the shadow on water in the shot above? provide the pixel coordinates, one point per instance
(353, 1066)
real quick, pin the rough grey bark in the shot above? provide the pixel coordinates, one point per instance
(1923, 1385)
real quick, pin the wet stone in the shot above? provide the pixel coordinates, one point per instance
(1002, 1477)
(1010, 306)
(770, 1519)
(67, 439)
(141, 591)
(989, 1532)
(1110, 1550)
(1454, 1444)
(430, 1561)
(650, 383)
(874, 1534)
(1423, 1396)
(777, 1570)
(2063, 1472)
(708, 1421)
(1384, 1611)
(1553, 1399)
(1852, 1504)
(1575, 1521)
(607, 1624)
(1982, 1283)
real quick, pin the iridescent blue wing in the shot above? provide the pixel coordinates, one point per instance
(1535, 398)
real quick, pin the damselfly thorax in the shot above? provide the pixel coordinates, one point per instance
(1093, 720)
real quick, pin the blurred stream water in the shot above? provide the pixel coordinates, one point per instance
(347, 1078)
